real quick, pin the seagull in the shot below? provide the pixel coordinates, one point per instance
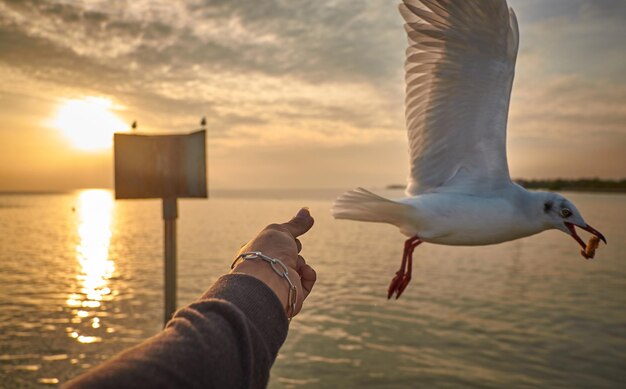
(459, 67)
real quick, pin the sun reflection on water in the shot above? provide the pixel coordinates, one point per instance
(95, 209)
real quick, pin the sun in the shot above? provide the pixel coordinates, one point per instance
(88, 123)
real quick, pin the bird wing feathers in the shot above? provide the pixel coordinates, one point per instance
(459, 72)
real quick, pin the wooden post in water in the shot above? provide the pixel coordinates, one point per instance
(170, 214)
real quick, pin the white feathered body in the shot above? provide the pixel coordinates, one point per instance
(460, 219)
(449, 218)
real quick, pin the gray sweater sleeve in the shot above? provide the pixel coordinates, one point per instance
(229, 338)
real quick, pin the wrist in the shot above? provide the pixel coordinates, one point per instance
(263, 272)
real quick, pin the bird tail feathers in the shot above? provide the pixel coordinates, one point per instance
(363, 205)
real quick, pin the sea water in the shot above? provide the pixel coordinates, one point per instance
(81, 279)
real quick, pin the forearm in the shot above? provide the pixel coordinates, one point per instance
(228, 338)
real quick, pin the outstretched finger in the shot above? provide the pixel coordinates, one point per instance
(300, 223)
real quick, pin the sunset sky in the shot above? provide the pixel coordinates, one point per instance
(297, 94)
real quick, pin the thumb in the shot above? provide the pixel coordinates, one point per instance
(300, 223)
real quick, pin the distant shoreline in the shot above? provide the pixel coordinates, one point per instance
(592, 185)
(578, 185)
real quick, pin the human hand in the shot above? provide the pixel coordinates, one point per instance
(280, 241)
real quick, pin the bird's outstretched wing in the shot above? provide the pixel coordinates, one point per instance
(459, 72)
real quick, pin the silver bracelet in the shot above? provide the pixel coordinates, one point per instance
(282, 272)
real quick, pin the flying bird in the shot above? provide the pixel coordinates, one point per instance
(203, 121)
(459, 67)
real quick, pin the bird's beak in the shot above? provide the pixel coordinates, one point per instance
(572, 230)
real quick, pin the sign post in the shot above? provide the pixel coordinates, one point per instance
(166, 167)
(170, 213)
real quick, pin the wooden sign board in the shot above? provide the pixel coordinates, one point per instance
(160, 166)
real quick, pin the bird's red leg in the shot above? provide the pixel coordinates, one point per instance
(403, 275)
(399, 274)
(407, 277)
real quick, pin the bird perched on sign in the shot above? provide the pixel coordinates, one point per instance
(459, 72)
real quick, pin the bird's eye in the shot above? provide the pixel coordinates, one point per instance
(566, 212)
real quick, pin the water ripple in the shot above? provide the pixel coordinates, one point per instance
(79, 286)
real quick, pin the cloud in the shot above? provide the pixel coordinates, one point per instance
(575, 36)
(568, 106)
(325, 73)
(328, 64)
(310, 40)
